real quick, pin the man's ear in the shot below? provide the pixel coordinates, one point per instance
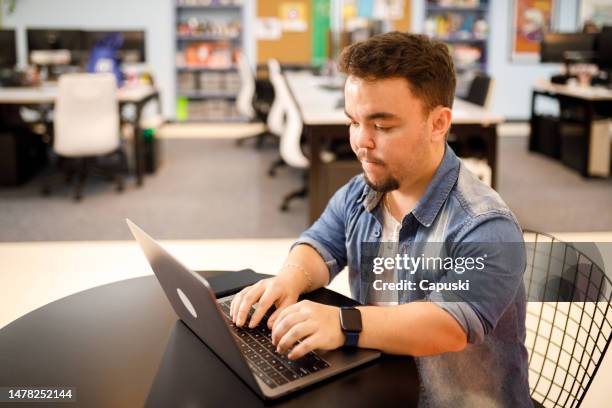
(440, 121)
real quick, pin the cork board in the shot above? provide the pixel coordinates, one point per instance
(292, 47)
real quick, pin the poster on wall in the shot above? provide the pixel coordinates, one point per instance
(293, 16)
(531, 19)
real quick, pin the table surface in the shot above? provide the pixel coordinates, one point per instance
(48, 93)
(121, 345)
(589, 93)
(319, 104)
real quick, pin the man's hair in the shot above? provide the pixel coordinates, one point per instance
(424, 63)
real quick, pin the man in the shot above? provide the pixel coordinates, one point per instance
(414, 190)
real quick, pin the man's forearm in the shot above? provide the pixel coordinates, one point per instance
(306, 267)
(416, 329)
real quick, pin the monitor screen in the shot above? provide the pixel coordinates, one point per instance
(53, 39)
(604, 48)
(8, 52)
(133, 49)
(555, 45)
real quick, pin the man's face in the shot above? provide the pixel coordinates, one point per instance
(389, 132)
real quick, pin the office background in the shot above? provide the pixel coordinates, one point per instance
(214, 203)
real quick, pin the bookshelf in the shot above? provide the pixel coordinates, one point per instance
(208, 38)
(464, 26)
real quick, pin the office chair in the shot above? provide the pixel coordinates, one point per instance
(246, 102)
(480, 90)
(276, 117)
(86, 128)
(290, 146)
(569, 319)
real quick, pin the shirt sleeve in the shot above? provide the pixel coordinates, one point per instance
(327, 235)
(499, 239)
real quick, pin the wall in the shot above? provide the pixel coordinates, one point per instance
(156, 17)
(513, 81)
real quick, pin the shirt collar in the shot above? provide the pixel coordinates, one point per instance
(435, 195)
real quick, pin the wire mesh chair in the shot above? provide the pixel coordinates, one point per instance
(569, 320)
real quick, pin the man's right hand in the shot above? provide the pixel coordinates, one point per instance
(281, 291)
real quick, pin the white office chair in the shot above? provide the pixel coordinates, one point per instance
(247, 104)
(278, 111)
(244, 100)
(276, 116)
(86, 125)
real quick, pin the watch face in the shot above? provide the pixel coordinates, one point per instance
(351, 320)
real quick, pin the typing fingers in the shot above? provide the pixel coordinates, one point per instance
(247, 300)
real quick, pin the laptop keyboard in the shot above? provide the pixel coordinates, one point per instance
(272, 368)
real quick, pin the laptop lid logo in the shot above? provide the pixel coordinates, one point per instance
(186, 302)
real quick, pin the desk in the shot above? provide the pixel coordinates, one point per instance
(590, 153)
(43, 98)
(324, 119)
(121, 345)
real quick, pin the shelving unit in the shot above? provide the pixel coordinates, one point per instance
(464, 26)
(208, 39)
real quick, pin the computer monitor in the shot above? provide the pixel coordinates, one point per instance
(132, 50)
(555, 46)
(54, 39)
(604, 48)
(8, 52)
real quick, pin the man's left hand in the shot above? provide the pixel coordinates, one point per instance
(315, 324)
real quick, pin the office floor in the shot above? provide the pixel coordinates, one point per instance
(209, 188)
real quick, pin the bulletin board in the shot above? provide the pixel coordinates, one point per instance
(293, 47)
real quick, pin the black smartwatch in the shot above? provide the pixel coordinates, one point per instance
(350, 322)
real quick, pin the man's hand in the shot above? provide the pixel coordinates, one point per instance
(280, 291)
(315, 324)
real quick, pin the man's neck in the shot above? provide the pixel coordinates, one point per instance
(403, 200)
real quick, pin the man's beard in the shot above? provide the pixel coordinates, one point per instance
(387, 185)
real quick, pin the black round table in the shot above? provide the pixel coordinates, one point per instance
(121, 345)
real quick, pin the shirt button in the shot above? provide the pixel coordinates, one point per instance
(377, 233)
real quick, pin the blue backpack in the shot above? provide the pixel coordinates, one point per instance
(104, 56)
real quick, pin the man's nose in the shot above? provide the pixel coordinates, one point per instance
(364, 138)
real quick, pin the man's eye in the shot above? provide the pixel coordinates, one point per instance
(353, 124)
(381, 128)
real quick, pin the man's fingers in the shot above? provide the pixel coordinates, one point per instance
(302, 348)
(266, 301)
(279, 308)
(284, 312)
(248, 300)
(285, 325)
(296, 332)
(236, 303)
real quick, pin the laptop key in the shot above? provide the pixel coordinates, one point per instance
(279, 379)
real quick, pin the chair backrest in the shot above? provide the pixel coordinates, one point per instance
(244, 100)
(276, 116)
(86, 115)
(480, 90)
(569, 319)
(290, 147)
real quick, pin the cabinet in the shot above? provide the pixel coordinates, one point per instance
(209, 38)
(464, 26)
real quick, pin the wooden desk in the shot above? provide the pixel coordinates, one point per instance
(43, 98)
(589, 154)
(323, 117)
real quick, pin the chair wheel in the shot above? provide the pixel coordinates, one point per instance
(45, 191)
(271, 172)
(78, 198)
(284, 207)
(120, 186)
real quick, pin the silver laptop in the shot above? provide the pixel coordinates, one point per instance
(248, 352)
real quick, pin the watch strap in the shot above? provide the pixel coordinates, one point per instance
(352, 338)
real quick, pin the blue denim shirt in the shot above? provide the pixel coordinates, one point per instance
(455, 208)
